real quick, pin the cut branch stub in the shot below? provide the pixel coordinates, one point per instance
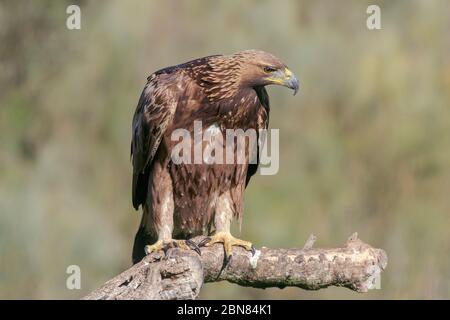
(310, 242)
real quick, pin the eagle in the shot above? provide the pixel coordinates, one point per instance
(187, 199)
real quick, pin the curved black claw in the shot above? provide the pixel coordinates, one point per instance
(253, 249)
(227, 260)
(204, 242)
(166, 247)
(191, 244)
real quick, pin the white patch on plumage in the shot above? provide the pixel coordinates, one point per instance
(213, 132)
(223, 212)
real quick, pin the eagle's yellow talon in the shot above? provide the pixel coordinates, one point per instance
(161, 245)
(157, 246)
(228, 242)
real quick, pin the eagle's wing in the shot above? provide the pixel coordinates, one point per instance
(154, 113)
(262, 123)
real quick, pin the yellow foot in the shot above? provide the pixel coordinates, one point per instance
(228, 242)
(164, 245)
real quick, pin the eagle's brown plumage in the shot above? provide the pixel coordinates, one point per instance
(183, 200)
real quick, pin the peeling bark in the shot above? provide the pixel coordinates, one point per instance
(180, 274)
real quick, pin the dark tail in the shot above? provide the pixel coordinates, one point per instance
(141, 239)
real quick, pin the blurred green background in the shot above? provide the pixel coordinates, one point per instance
(364, 146)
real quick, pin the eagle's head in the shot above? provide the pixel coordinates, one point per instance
(259, 68)
(224, 75)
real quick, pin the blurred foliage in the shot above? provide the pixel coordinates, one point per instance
(364, 146)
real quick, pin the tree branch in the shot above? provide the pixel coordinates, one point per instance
(180, 274)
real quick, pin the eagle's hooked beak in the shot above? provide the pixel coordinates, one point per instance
(285, 78)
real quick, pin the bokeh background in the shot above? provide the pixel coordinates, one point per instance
(364, 146)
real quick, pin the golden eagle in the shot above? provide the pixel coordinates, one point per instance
(180, 201)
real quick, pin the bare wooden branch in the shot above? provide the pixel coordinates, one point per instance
(180, 274)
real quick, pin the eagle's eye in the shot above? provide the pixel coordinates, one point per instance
(268, 69)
